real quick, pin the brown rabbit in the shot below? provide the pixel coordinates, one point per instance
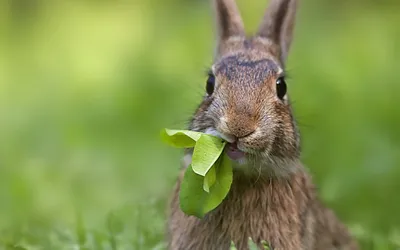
(272, 197)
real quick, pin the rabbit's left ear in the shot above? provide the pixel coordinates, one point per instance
(278, 25)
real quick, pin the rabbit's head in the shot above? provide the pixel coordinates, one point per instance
(246, 102)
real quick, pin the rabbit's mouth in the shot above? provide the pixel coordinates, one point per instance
(234, 152)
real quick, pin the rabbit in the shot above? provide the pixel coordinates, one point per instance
(272, 197)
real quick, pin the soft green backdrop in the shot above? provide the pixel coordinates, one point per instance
(86, 86)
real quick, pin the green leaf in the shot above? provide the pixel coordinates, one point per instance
(206, 152)
(191, 194)
(222, 185)
(194, 200)
(209, 179)
(180, 138)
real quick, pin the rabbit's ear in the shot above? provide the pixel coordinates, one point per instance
(278, 25)
(228, 20)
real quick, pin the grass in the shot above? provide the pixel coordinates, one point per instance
(86, 86)
(142, 229)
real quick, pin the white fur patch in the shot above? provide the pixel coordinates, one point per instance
(214, 132)
(186, 160)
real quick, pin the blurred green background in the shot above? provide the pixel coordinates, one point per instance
(86, 86)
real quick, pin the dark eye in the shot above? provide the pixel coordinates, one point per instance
(210, 84)
(281, 87)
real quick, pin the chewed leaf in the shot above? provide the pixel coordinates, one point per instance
(180, 138)
(206, 152)
(222, 184)
(209, 179)
(191, 194)
(194, 200)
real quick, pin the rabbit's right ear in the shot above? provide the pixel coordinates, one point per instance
(228, 20)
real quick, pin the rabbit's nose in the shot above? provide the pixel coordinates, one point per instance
(236, 127)
(240, 119)
(235, 132)
(241, 132)
(241, 127)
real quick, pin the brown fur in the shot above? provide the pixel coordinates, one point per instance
(272, 197)
(283, 212)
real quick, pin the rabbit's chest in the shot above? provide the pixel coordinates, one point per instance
(265, 211)
(276, 224)
(275, 220)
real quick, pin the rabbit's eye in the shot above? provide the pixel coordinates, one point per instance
(281, 87)
(210, 84)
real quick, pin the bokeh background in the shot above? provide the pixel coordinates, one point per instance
(86, 86)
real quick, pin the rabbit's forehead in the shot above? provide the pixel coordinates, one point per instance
(241, 66)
